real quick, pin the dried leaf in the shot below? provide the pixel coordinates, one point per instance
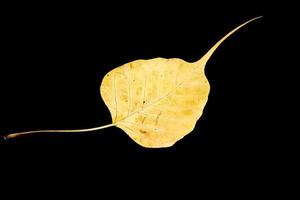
(156, 102)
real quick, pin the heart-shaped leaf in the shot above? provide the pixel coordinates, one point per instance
(156, 102)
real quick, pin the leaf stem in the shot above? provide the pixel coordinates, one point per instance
(13, 135)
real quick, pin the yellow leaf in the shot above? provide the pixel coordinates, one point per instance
(156, 102)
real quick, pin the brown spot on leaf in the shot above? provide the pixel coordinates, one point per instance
(143, 120)
(143, 131)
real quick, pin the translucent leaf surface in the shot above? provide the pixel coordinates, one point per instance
(156, 102)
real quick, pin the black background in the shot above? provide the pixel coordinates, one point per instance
(53, 61)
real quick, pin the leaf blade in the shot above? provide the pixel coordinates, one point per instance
(150, 131)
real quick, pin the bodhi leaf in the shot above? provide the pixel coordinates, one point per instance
(157, 101)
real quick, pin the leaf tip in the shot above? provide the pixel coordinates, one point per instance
(206, 57)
